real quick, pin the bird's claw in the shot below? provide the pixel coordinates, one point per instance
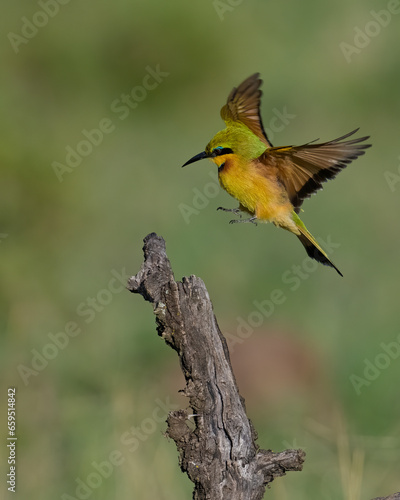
(236, 211)
(252, 220)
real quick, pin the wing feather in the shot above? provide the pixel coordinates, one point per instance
(243, 105)
(303, 169)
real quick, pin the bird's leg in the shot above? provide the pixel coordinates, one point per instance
(236, 211)
(252, 219)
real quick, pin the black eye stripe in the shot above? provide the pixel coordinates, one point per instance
(221, 151)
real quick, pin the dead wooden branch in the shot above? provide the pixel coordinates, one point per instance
(220, 455)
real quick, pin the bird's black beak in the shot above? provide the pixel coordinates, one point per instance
(198, 157)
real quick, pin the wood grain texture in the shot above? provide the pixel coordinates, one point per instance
(220, 454)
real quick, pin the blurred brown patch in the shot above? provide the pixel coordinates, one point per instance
(277, 368)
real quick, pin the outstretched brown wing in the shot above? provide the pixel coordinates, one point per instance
(243, 105)
(303, 169)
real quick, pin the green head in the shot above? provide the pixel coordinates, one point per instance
(235, 139)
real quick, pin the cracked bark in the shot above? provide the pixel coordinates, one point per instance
(220, 455)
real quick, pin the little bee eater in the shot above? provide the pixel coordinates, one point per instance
(269, 182)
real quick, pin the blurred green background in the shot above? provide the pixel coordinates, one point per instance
(314, 369)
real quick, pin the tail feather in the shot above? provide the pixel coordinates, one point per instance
(314, 250)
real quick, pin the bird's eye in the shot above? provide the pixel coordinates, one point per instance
(220, 150)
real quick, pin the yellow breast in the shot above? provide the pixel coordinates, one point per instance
(242, 180)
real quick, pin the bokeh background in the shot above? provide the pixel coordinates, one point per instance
(320, 370)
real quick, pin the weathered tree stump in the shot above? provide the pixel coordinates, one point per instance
(220, 455)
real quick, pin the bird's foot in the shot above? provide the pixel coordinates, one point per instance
(252, 220)
(236, 211)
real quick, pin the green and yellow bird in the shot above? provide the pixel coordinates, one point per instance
(269, 182)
